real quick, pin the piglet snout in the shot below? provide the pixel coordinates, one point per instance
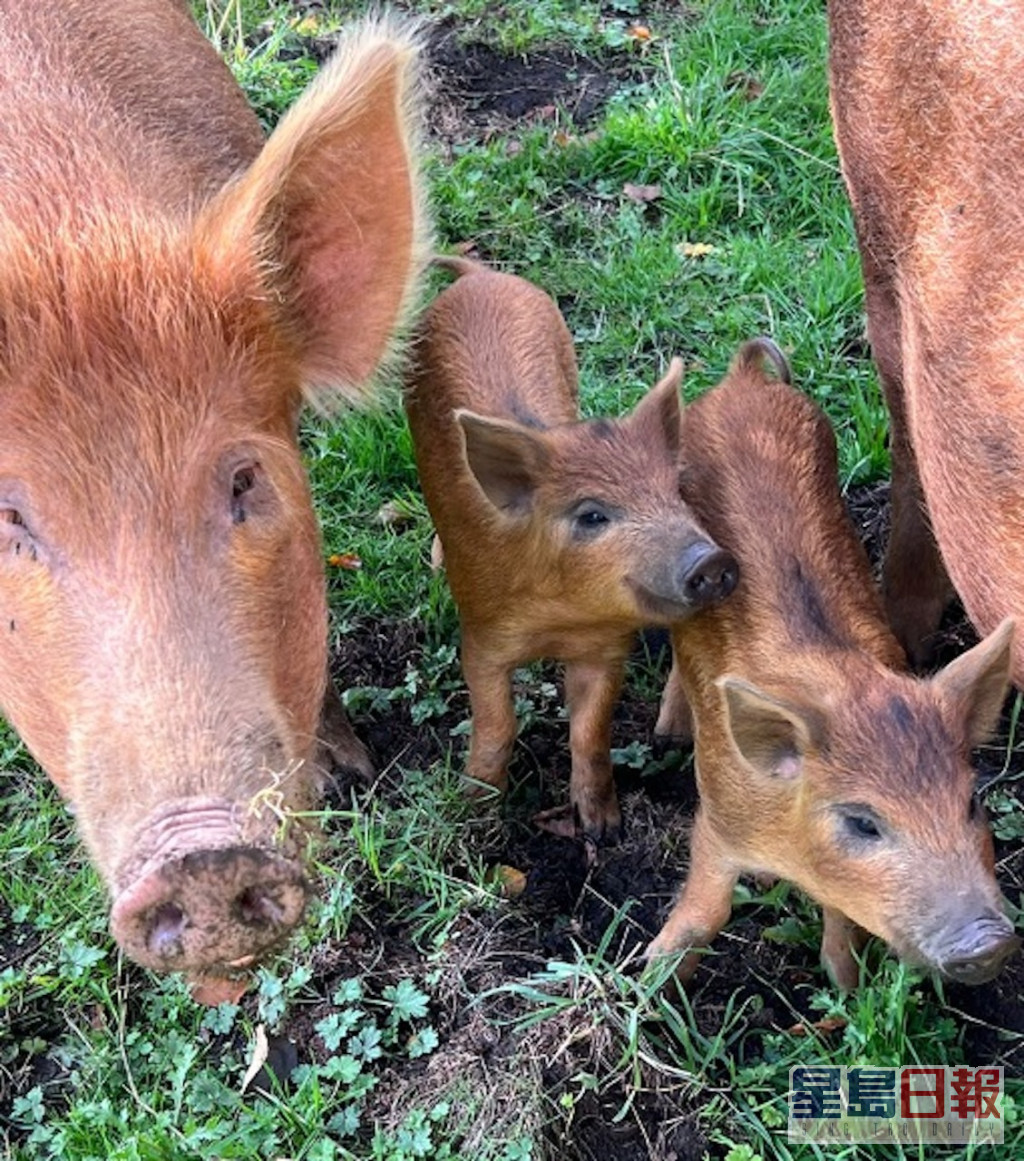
(708, 573)
(980, 950)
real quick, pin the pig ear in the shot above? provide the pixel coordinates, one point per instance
(507, 459)
(758, 355)
(772, 735)
(976, 683)
(659, 411)
(330, 213)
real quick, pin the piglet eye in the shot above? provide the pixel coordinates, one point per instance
(10, 516)
(243, 480)
(862, 826)
(590, 517)
(593, 518)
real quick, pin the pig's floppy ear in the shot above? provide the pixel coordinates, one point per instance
(771, 735)
(658, 412)
(976, 683)
(330, 213)
(507, 459)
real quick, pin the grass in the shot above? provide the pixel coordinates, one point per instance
(724, 108)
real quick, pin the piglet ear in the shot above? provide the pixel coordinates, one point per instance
(759, 356)
(330, 213)
(773, 736)
(976, 683)
(507, 459)
(658, 412)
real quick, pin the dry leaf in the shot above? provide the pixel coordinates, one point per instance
(510, 880)
(641, 193)
(694, 249)
(347, 560)
(260, 1052)
(560, 137)
(828, 1024)
(214, 990)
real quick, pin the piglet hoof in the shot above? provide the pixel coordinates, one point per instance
(484, 790)
(595, 828)
(842, 971)
(656, 971)
(560, 821)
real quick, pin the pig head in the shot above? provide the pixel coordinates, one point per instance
(171, 290)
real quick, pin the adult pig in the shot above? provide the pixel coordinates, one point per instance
(819, 760)
(928, 112)
(171, 289)
(561, 536)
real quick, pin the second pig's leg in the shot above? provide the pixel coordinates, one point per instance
(705, 904)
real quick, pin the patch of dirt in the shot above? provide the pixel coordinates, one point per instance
(480, 92)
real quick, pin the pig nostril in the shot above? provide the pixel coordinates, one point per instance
(167, 930)
(709, 574)
(983, 958)
(729, 579)
(257, 908)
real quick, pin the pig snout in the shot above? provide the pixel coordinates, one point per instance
(979, 949)
(203, 894)
(707, 573)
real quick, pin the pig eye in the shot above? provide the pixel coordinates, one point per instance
(15, 537)
(243, 480)
(589, 518)
(861, 826)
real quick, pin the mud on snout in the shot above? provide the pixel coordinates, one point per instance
(205, 895)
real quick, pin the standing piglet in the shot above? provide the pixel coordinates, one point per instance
(928, 109)
(172, 288)
(561, 537)
(818, 759)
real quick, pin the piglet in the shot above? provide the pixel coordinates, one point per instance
(561, 537)
(819, 760)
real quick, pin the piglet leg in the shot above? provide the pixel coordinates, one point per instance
(675, 718)
(841, 938)
(705, 904)
(493, 735)
(591, 691)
